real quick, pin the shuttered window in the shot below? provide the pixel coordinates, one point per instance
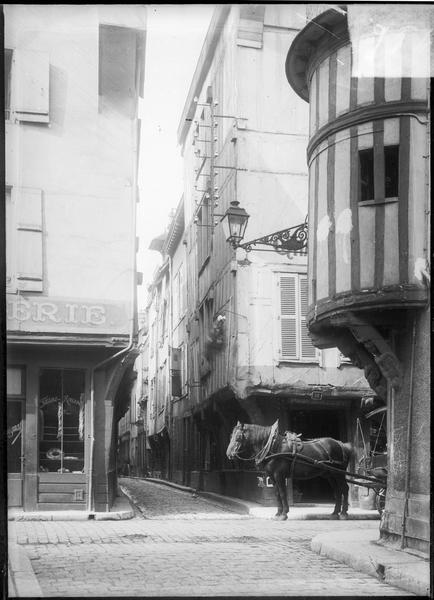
(24, 239)
(295, 343)
(251, 26)
(30, 102)
(29, 240)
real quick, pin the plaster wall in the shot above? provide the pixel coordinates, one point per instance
(83, 160)
(258, 363)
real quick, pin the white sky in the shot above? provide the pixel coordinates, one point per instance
(174, 39)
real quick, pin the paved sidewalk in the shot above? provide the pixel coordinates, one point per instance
(363, 551)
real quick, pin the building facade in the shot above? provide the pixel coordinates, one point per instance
(242, 322)
(74, 75)
(368, 224)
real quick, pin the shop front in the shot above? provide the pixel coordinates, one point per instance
(62, 397)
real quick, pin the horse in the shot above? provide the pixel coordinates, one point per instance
(288, 456)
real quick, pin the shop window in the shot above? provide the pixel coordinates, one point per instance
(368, 171)
(61, 420)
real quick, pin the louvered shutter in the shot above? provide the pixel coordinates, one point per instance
(308, 350)
(288, 316)
(29, 239)
(31, 102)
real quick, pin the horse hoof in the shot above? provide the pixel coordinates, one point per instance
(344, 516)
(334, 516)
(280, 517)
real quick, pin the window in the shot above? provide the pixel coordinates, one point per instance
(295, 343)
(30, 97)
(24, 252)
(204, 231)
(391, 171)
(120, 71)
(61, 420)
(368, 170)
(177, 371)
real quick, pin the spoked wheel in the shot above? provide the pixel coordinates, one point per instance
(380, 501)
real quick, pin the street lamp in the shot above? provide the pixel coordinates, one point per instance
(234, 222)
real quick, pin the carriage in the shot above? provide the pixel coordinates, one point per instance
(287, 455)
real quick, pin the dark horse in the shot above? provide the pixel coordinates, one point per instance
(262, 444)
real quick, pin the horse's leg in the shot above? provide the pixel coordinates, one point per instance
(270, 472)
(279, 477)
(344, 490)
(337, 496)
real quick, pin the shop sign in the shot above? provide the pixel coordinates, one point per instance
(40, 314)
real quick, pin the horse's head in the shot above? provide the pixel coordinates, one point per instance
(238, 441)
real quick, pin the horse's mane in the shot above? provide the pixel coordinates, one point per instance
(258, 432)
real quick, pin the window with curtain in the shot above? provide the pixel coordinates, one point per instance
(295, 343)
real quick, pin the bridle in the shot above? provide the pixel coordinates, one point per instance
(262, 453)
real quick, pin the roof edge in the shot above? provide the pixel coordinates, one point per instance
(212, 37)
(300, 51)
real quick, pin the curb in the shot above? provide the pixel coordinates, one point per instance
(120, 512)
(362, 552)
(21, 575)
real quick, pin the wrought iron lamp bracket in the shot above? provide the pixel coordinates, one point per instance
(292, 239)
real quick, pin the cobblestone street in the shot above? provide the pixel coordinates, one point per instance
(181, 545)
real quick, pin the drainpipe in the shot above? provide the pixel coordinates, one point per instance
(409, 423)
(124, 351)
(170, 365)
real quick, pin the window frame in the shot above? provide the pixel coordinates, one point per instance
(62, 370)
(375, 167)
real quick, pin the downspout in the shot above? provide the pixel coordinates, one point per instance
(409, 423)
(170, 340)
(124, 351)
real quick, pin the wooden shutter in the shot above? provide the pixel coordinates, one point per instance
(308, 350)
(251, 26)
(11, 242)
(288, 316)
(29, 239)
(32, 76)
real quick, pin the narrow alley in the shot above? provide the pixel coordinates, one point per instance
(181, 545)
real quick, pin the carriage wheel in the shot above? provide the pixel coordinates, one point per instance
(380, 501)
